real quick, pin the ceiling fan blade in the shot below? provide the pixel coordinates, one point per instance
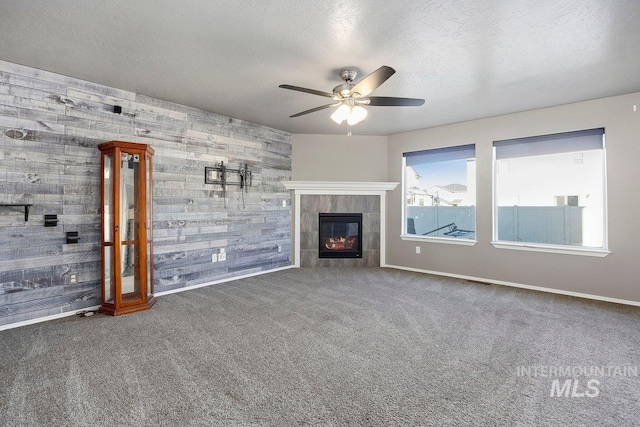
(304, 89)
(313, 110)
(387, 101)
(373, 80)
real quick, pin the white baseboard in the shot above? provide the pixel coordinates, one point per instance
(158, 294)
(217, 282)
(518, 285)
(47, 318)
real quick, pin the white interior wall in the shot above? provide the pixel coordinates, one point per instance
(357, 158)
(360, 158)
(614, 276)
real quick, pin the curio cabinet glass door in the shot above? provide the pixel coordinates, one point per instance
(127, 227)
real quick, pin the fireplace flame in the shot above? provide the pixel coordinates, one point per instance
(340, 243)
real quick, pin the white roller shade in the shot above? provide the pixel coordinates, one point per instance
(568, 142)
(447, 154)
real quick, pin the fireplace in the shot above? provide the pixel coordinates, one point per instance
(340, 235)
(312, 197)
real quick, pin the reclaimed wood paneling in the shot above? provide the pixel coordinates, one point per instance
(50, 127)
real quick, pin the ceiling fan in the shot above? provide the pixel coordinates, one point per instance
(350, 97)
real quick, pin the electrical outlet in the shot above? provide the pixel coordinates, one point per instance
(214, 257)
(417, 249)
(73, 278)
(284, 203)
(279, 248)
(222, 256)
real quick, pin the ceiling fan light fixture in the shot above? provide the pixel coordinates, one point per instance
(357, 115)
(341, 114)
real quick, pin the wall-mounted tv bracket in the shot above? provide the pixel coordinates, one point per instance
(219, 175)
(246, 180)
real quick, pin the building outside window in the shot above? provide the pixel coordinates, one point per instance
(550, 190)
(440, 193)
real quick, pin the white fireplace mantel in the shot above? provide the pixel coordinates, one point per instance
(300, 188)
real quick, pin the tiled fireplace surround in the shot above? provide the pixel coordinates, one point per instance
(312, 197)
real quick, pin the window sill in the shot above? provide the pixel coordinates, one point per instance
(594, 252)
(447, 240)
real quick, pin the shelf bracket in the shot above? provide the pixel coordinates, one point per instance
(25, 205)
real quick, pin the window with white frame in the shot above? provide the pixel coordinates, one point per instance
(440, 193)
(550, 190)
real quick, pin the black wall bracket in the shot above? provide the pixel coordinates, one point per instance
(72, 237)
(219, 175)
(50, 220)
(26, 208)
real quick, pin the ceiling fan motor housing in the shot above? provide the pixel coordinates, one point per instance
(343, 90)
(348, 75)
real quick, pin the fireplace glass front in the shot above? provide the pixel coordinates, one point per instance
(340, 235)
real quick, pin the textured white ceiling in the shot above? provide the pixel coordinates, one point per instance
(467, 59)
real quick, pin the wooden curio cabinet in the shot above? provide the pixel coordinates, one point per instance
(127, 227)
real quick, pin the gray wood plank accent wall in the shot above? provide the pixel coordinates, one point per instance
(50, 127)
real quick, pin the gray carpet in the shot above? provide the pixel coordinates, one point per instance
(329, 347)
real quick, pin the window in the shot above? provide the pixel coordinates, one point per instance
(550, 190)
(440, 192)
